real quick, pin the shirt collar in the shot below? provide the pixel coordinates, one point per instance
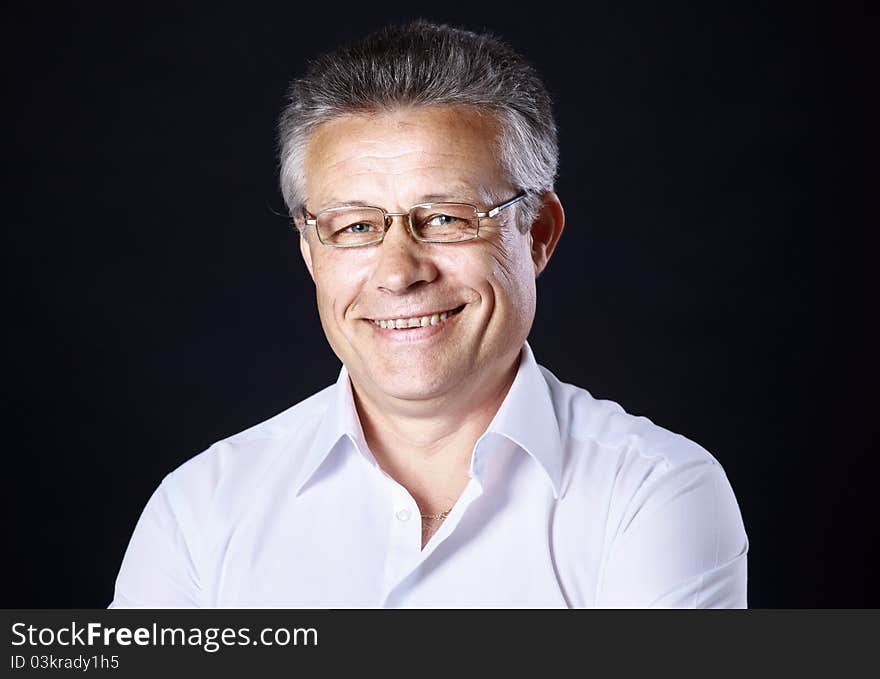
(339, 421)
(526, 417)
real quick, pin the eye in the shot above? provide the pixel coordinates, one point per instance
(360, 227)
(441, 220)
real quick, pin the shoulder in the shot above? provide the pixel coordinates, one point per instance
(220, 479)
(196, 507)
(604, 425)
(620, 462)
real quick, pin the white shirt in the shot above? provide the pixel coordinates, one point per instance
(570, 502)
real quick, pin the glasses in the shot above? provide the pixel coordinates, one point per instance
(352, 226)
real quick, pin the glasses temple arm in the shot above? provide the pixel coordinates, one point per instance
(498, 208)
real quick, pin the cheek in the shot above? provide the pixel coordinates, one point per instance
(513, 272)
(336, 284)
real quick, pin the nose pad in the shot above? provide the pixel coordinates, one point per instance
(389, 220)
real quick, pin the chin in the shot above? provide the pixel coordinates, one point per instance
(414, 392)
(412, 384)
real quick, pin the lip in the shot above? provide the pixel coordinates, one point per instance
(416, 334)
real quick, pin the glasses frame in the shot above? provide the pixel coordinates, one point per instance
(312, 220)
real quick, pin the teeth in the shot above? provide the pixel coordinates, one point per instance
(414, 322)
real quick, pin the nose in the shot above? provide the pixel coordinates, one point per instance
(403, 263)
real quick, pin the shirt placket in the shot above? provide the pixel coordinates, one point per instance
(404, 536)
(405, 554)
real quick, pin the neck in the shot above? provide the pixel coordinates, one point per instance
(431, 439)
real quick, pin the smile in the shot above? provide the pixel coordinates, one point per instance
(416, 321)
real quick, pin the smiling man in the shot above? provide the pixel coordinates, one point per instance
(444, 467)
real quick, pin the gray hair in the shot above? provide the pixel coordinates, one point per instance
(425, 64)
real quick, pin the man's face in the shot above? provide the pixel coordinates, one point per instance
(396, 160)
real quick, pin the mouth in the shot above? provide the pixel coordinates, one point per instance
(416, 321)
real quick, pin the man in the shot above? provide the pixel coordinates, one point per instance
(444, 467)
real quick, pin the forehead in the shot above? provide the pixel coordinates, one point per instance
(404, 156)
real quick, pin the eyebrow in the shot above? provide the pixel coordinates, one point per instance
(427, 198)
(338, 202)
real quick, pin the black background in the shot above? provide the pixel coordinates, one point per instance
(714, 273)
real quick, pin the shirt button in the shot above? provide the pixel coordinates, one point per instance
(403, 515)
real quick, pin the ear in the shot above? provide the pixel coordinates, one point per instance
(306, 251)
(546, 230)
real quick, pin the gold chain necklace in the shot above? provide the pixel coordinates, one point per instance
(435, 517)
